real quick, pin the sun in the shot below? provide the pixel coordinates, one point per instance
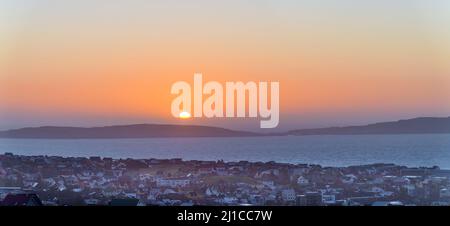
(185, 115)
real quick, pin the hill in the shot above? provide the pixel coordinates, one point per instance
(123, 131)
(409, 126)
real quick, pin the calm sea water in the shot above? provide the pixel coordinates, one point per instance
(327, 150)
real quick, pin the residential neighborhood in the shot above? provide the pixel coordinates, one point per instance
(55, 181)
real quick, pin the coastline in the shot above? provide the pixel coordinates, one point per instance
(327, 150)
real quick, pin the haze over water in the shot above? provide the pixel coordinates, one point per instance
(93, 63)
(327, 150)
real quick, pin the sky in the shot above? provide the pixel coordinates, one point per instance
(99, 62)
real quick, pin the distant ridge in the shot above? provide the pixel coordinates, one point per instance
(408, 126)
(123, 131)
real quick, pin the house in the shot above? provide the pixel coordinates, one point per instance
(444, 193)
(228, 200)
(268, 183)
(361, 201)
(205, 170)
(172, 182)
(288, 195)
(328, 199)
(410, 189)
(313, 198)
(257, 199)
(110, 191)
(349, 179)
(302, 181)
(211, 191)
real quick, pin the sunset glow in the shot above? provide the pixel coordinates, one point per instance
(185, 115)
(78, 63)
(240, 105)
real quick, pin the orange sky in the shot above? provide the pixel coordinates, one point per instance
(73, 63)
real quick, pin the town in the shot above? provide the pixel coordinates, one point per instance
(74, 181)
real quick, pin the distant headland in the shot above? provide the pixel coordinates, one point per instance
(409, 126)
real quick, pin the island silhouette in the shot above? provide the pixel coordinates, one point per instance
(409, 126)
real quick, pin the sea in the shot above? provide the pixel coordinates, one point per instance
(413, 150)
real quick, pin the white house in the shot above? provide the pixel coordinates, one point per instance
(302, 181)
(172, 182)
(288, 195)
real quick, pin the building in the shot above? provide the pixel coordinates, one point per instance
(302, 181)
(288, 195)
(329, 199)
(172, 182)
(300, 200)
(313, 198)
